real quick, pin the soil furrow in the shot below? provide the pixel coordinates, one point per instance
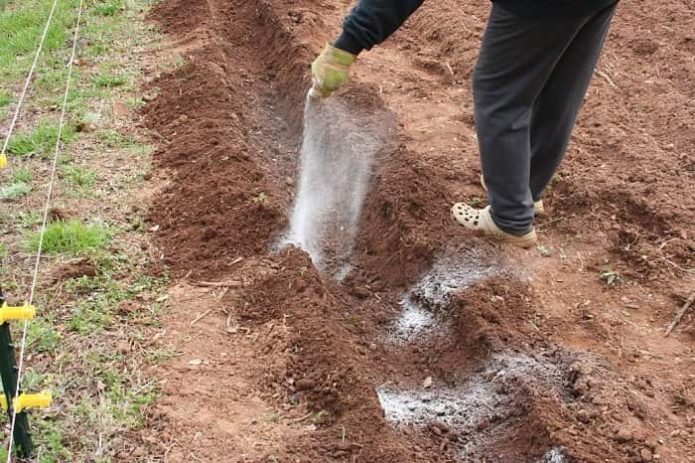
(515, 363)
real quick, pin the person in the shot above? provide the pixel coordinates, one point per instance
(533, 70)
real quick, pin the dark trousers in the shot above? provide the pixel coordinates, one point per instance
(529, 83)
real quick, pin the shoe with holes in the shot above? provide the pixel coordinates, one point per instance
(480, 219)
(538, 207)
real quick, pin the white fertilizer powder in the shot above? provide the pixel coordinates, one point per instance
(554, 455)
(337, 151)
(424, 306)
(483, 396)
(414, 321)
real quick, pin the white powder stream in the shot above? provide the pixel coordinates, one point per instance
(338, 147)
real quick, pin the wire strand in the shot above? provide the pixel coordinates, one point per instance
(49, 195)
(28, 79)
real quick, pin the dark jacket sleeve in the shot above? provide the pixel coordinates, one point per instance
(373, 21)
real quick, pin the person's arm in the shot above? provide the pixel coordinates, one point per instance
(368, 24)
(373, 21)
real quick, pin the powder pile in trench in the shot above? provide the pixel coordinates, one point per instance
(425, 305)
(338, 148)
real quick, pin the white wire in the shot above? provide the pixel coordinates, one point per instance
(49, 194)
(28, 80)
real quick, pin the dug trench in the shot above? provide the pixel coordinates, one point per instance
(432, 349)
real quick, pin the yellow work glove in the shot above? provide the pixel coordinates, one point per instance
(330, 70)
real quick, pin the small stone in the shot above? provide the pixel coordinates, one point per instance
(651, 443)
(646, 455)
(427, 383)
(209, 234)
(623, 436)
(583, 416)
(343, 446)
(362, 293)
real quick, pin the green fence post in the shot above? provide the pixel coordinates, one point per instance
(8, 372)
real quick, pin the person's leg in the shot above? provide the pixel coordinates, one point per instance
(516, 59)
(556, 108)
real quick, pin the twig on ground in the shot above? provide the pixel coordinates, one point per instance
(608, 79)
(200, 317)
(223, 293)
(301, 418)
(545, 224)
(679, 315)
(675, 265)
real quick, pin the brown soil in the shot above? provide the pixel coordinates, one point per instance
(287, 364)
(74, 269)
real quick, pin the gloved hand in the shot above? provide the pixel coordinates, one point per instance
(330, 70)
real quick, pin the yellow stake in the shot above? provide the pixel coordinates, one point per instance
(3, 161)
(24, 401)
(24, 312)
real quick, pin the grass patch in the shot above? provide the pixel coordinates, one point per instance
(22, 27)
(28, 219)
(14, 191)
(70, 237)
(82, 177)
(77, 346)
(108, 8)
(115, 139)
(5, 98)
(22, 174)
(42, 335)
(110, 80)
(39, 140)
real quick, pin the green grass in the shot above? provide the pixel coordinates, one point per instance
(22, 174)
(97, 399)
(79, 176)
(14, 191)
(40, 140)
(5, 98)
(42, 335)
(115, 139)
(70, 237)
(28, 219)
(21, 31)
(110, 80)
(98, 311)
(108, 8)
(53, 79)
